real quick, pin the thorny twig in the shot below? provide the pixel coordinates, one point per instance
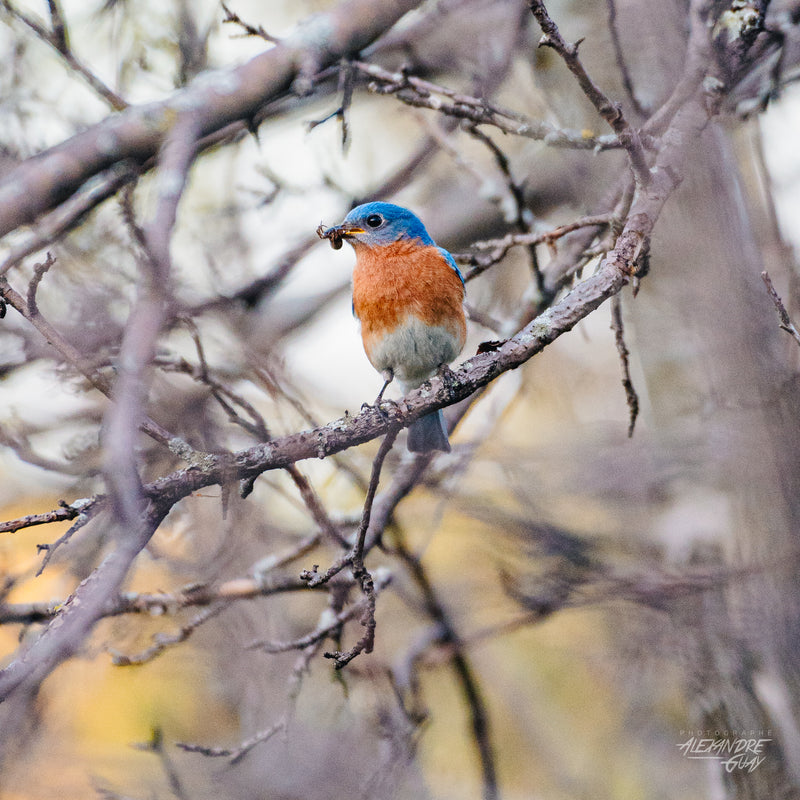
(233, 18)
(357, 566)
(235, 754)
(498, 248)
(65, 511)
(161, 641)
(622, 64)
(523, 215)
(420, 93)
(611, 112)
(786, 321)
(58, 39)
(619, 338)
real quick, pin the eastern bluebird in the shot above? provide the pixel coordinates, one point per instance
(408, 295)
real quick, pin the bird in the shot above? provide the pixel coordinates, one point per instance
(408, 295)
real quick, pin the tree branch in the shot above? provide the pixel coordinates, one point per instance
(610, 112)
(217, 98)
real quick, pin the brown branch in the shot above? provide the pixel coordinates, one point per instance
(143, 328)
(448, 636)
(218, 98)
(619, 338)
(70, 213)
(786, 321)
(610, 112)
(58, 39)
(65, 511)
(357, 566)
(244, 588)
(81, 364)
(420, 93)
(622, 64)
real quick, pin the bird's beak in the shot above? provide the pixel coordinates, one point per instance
(337, 233)
(347, 230)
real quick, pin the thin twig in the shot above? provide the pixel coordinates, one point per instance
(420, 93)
(786, 322)
(358, 568)
(622, 64)
(610, 112)
(39, 271)
(498, 248)
(449, 636)
(329, 624)
(523, 215)
(631, 397)
(233, 18)
(65, 511)
(58, 39)
(235, 754)
(161, 641)
(88, 512)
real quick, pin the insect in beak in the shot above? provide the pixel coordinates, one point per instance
(336, 234)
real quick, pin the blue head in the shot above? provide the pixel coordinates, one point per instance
(379, 224)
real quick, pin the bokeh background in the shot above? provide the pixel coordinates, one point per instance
(612, 595)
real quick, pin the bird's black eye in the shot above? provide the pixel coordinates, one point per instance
(374, 220)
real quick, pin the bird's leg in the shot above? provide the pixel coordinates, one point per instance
(388, 377)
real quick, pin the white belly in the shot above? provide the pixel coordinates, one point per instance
(414, 351)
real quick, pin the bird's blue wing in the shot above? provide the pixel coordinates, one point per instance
(451, 262)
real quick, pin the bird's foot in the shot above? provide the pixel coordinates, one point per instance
(388, 377)
(447, 375)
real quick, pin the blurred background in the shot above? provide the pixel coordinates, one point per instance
(611, 596)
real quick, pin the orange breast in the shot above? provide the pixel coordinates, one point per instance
(401, 279)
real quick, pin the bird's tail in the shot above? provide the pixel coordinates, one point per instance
(428, 433)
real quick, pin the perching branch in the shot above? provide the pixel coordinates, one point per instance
(620, 227)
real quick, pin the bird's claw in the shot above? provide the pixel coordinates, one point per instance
(379, 404)
(447, 375)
